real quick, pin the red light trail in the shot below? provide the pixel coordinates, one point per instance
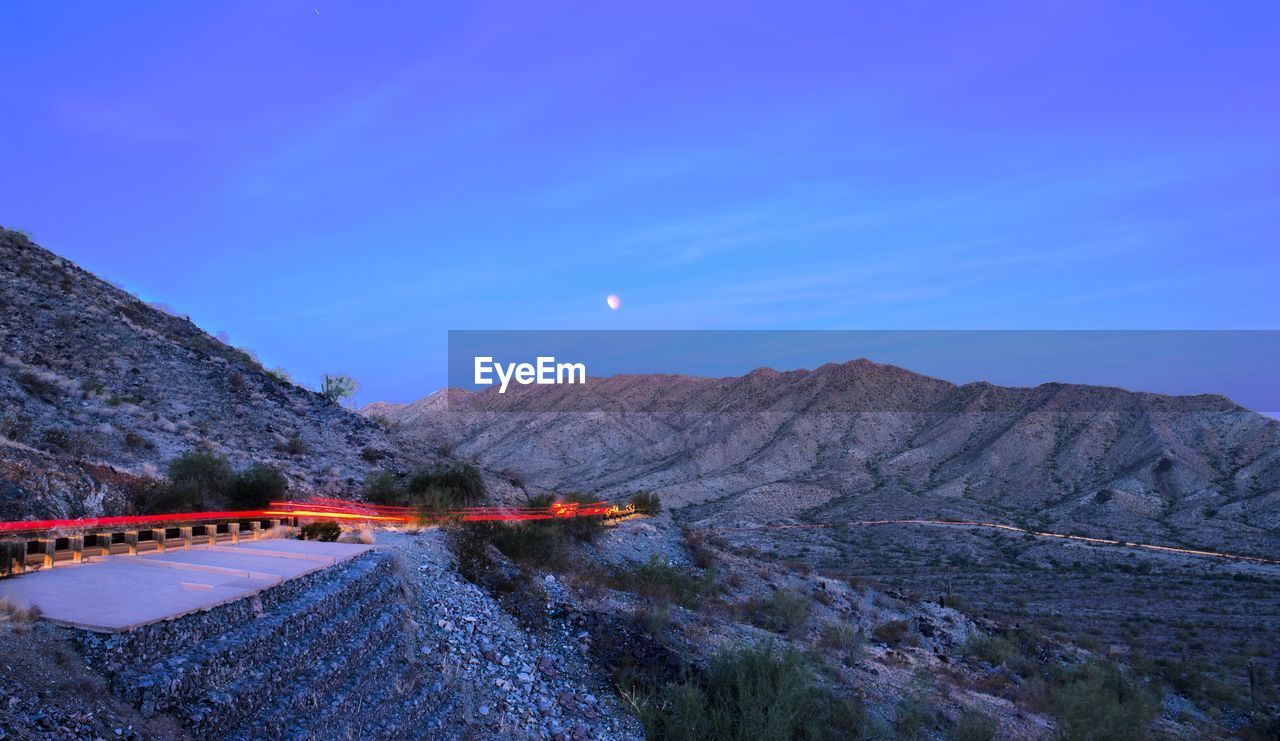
(331, 509)
(361, 512)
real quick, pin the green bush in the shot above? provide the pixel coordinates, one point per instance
(1015, 650)
(784, 612)
(662, 582)
(974, 725)
(534, 543)
(646, 503)
(751, 693)
(256, 486)
(1099, 701)
(383, 487)
(198, 480)
(518, 589)
(434, 502)
(462, 480)
(325, 530)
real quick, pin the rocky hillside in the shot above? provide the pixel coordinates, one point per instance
(100, 390)
(859, 439)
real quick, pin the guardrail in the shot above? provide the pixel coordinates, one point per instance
(34, 545)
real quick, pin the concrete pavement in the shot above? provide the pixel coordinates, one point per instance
(115, 593)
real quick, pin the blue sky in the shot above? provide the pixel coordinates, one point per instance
(334, 186)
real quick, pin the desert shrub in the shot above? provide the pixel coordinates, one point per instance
(696, 542)
(60, 441)
(892, 631)
(914, 716)
(17, 617)
(1261, 726)
(662, 582)
(256, 486)
(433, 503)
(974, 725)
(538, 542)
(384, 487)
(784, 612)
(37, 386)
(324, 530)
(371, 455)
(235, 381)
(135, 441)
(584, 529)
(842, 638)
(462, 480)
(295, 445)
(646, 503)
(336, 388)
(758, 692)
(281, 375)
(1099, 701)
(653, 620)
(516, 588)
(1015, 650)
(198, 480)
(363, 535)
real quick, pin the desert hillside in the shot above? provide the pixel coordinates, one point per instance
(859, 439)
(101, 390)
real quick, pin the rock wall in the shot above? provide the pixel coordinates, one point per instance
(324, 654)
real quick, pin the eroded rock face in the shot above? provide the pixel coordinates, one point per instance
(100, 390)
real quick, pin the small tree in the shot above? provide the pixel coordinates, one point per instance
(338, 387)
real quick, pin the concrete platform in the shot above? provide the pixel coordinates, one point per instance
(115, 593)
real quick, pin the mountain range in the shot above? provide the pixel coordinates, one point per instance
(861, 440)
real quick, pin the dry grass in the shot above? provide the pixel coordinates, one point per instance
(280, 532)
(363, 535)
(17, 617)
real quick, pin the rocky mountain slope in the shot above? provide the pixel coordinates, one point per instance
(863, 440)
(100, 390)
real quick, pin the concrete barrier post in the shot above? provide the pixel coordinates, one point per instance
(104, 542)
(131, 542)
(234, 529)
(185, 534)
(159, 536)
(77, 548)
(48, 547)
(13, 557)
(255, 528)
(212, 532)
